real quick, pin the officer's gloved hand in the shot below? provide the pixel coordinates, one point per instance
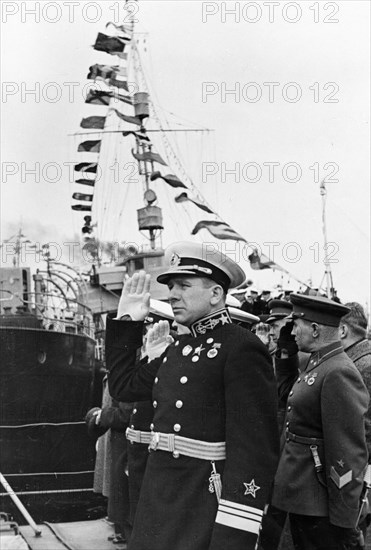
(286, 341)
(92, 422)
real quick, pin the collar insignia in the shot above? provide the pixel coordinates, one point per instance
(208, 323)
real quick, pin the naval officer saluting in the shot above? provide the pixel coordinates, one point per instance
(214, 437)
(320, 474)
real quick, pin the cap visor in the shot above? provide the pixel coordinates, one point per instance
(276, 316)
(162, 309)
(294, 316)
(165, 277)
(242, 316)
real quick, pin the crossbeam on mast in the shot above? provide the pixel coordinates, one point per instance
(147, 131)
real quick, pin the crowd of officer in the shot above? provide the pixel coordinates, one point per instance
(234, 434)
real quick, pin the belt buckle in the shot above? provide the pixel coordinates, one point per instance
(170, 442)
(155, 440)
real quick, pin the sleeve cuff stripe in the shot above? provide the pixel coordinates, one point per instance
(241, 507)
(239, 513)
(236, 522)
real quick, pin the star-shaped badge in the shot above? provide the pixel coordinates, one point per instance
(341, 463)
(251, 488)
(224, 319)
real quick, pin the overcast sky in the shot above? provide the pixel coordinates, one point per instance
(284, 86)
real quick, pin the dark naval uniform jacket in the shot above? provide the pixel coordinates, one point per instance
(141, 420)
(214, 416)
(324, 453)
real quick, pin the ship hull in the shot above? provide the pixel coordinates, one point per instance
(47, 384)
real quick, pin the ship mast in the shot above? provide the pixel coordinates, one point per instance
(19, 241)
(328, 273)
(150, 216)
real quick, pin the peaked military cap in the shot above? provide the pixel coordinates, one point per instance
(159, 310)
(263, 318)
(241, 316)
(278, 309)
(231, 301)
(201, 260)
(317, 309)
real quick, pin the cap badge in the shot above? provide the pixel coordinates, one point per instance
(175, 260)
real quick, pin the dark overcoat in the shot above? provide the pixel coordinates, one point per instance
(214, 385)
(360, 354)
(325, 406)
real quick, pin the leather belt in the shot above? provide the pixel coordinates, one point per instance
(303, 440)
(178, 445)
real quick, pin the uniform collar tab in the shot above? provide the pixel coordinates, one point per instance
(210, 322)
(325, 353)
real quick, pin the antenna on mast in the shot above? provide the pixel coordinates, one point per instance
(328, 273)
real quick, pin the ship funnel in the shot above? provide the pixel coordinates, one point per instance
(141, 105)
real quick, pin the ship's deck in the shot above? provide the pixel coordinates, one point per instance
(93, 535)
(79, 535)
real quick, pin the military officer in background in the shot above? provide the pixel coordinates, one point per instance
(285, 352)
(353, 336)
(278, 312)
(324, 457)
(214, 437)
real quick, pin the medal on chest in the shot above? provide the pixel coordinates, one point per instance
(310, 378)
(187, 350)
(211, 352)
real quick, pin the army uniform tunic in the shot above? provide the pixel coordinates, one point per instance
(214, 388)
(324, 454)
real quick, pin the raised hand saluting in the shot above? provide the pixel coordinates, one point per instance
(158, 339)
(135, 297)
